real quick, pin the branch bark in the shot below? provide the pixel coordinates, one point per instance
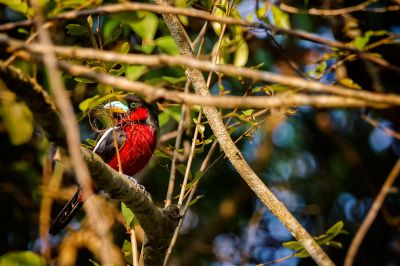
(234, 155)
(158, 224)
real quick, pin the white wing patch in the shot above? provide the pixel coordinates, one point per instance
(103, 137)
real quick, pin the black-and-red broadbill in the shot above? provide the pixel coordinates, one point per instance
(135, 132)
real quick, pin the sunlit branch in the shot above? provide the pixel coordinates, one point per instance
(162, 59)
(372, 213)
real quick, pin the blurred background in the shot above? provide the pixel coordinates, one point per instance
(326, 165)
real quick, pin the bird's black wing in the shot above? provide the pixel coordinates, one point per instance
(67, 213)
(105, 146)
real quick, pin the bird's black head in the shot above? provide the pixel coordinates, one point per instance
(134, 102)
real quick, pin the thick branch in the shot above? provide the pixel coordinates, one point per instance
(158, 224)
(235, 156)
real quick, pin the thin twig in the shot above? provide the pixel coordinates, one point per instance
(178, 140)
(375, 123)
(373, 212)
(192, 62)
(327, 12)
(134, 246)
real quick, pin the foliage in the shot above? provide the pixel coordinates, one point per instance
(321, 163)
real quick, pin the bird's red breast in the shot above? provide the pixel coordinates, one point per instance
(137, 150)
(135, 134)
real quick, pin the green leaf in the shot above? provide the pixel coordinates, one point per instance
(127, 251)
(335, 244)
(146, 26)
(96, 100)
(223, 55)
(361, 41)
(167, 45)
(347, 82)
(174, 80)
(91, 143)
(182, 169)
(261, 12)
(146, 49)
(18, 121)
(135, 71)
(281, 19)
(241, 54)
(294, 245)
(302, 254)
(183, 19)
(94, 263)
(23, 31)
(217, 27)
(160, 154)
(90, 21)
(128, 215)
(248, 112)
(163, 119)
(196, 178)
(111, 29)
(124, 49)
(335, 229)
(84, 80)
(196, 200)
(17, 5)
(76, 29)
(26, 258)
(174, 112)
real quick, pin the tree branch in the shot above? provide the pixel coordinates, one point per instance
(192, 62)
(328, 12)
(235, 156)
(125, 7)
(159, 224)
(373, 212)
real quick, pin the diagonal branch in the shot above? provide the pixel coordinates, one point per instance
(159, 224)
(372, 213)
(234, 155)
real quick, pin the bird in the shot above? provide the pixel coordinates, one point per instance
(135, 134)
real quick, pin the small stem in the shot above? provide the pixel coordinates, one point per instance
(134, 246)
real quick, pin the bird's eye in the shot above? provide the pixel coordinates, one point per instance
(132, 105)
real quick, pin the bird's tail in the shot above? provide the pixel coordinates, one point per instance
(67, 213)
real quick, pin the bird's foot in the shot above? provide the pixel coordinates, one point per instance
(135, 182)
